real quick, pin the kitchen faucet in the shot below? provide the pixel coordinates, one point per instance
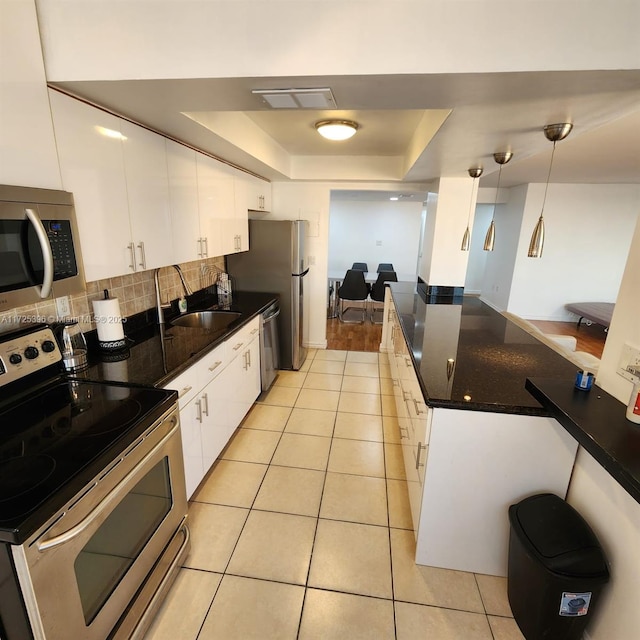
(159, 305)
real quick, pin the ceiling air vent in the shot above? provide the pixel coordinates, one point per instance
(297, 98)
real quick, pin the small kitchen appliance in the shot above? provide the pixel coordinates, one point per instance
(39, 246)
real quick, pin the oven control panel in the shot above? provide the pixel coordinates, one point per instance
(25, 354)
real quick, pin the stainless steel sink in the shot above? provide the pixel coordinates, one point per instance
(210, 320)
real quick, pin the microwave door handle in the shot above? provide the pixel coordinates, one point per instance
(114, 495)
(47, 256)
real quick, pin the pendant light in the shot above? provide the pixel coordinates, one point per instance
(553, 133)
(475, 173)
(501, 158)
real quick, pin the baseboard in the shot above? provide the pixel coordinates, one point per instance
(491, 304)
(316, 345)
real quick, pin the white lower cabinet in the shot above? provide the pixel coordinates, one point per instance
(464, 468)
(214, 395)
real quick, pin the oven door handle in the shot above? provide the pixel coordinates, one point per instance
(111, 497)
(47, 256)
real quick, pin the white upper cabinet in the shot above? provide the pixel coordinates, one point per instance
(183, 200)
(216, 203)
(27, 143)
(258, 194)
(145, 164)
(89, 145)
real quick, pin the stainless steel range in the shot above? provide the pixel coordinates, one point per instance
(92, 498)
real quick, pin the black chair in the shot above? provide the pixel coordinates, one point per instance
(377, 293)
(385, 266)
(360, 266)
(353, 289)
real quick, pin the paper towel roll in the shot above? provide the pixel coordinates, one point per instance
(108, 320)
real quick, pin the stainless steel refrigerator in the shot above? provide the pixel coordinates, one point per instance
(276, 262)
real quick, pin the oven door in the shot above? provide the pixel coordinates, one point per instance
(79, 575)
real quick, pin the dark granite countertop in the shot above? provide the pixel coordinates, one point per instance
(156, 355)
(597, 421)
(493, 356)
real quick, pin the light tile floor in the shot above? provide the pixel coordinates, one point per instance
(302, 529)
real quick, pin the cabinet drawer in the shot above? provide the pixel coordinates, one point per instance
(187, 386)
(238, 341)
(190, 382)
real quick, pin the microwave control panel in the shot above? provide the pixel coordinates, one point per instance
(61, 241)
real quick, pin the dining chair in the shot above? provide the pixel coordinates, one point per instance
(385, 266)
(353, 289)
(377, 293)
(360, 266)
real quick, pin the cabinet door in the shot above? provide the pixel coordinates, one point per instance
(258, 194)
(244, 378)
(183, 202)
(191, 418)
(216, 205)
(145, 163)
(27, 142)
(215, 431)
(92, 167)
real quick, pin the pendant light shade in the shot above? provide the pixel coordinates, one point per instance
(475, 173)
(501, 158)
(553, 133)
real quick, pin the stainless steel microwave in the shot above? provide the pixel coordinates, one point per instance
(39, 246)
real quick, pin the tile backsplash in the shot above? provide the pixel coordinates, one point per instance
(135, 292)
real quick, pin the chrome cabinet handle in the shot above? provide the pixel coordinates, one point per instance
(406, 396)
(199, 414)
(199, 252)
(206, 247)
(143, 257)
(215, 365)
(47, 255)
(404, 429)
(238, 346)
(254, 331)
(205, 399)
(184, 390)
(246, 361)
(407, 361)
(421, 447)
(420, 413)
(132, 251)
(248, 358)
(112, 497)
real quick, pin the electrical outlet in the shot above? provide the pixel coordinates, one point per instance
(63, 307)
(378, 243)
(629, 363)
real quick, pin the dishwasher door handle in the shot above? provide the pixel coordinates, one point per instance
(266, 319)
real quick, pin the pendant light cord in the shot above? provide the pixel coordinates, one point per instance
(495, 202)
(546, 188)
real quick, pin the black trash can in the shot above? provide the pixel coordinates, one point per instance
(556, 569)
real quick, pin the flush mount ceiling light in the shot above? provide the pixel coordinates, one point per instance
(501, 158)
(475, 173)
(553, 133)
(336, 129)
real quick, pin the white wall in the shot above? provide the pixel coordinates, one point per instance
(356, 228)
(588, 234)
(477, 256)
(496, 282)
(612, 513)
(245, 38)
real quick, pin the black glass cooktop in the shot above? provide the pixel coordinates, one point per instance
(56, 440)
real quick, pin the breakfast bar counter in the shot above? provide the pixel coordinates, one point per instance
(492, 356)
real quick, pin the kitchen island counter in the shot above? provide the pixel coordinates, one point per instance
(492, 356)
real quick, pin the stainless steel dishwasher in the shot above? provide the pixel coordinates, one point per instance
(269, 345)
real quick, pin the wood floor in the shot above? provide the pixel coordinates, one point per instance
(367, 336)
(590, 338)
(353, 337)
